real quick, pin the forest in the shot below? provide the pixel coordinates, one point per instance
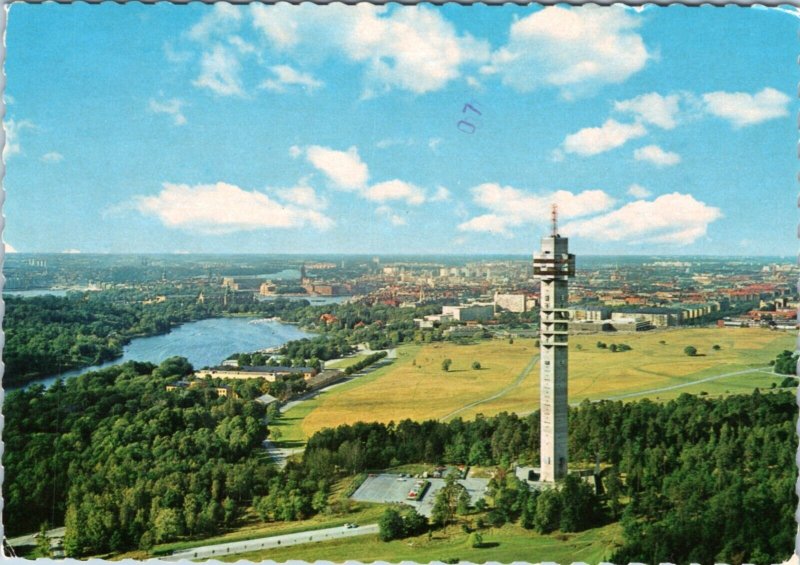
(48, 335)
(126, 464)
(707, 480)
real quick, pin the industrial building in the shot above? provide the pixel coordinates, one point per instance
(270, 374)
(476, 312)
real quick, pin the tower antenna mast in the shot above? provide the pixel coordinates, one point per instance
(554, 219)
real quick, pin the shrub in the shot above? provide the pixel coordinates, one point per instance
(476, 365)
(475, 540)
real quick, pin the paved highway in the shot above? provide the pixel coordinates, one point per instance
(232, 548)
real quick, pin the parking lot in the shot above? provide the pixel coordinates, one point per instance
(385, 488)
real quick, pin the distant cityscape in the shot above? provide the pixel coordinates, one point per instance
(624, 294)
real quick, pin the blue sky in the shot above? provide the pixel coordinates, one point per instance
(266, 129)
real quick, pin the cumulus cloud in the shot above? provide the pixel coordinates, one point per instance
(441, 195)
(573, 49)
(224, 208)
(674, 219)
(652, 108)
(345, 169)
(172, 107)
(657, 156)
(13, 129)
(52, 157)
(638, 191)
(220, 19)
(219, 71)
(396, 190)
(286, 76)
(9, 248)
(743, 109)
(71, 251)
(612, 134)
(393, 141)
(510, 207)
(303, 196)
(394, 219)
(410, 48)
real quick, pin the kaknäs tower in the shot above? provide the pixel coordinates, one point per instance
(553, 266)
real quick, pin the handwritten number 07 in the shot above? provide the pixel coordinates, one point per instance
(465, 122)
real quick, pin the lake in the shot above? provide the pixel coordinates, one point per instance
(204, 343)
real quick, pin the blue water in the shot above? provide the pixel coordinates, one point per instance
(204, 343)
(39, 292)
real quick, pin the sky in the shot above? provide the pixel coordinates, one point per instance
(404, 129)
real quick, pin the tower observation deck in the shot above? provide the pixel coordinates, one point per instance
(553, 266)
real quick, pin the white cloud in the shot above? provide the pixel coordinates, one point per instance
(13, 129)
(52, 157)
(171, 107)
(295, 151)
(743, 109)
(396, 190)
(612, 134)
(287, 76)
(221, 19)
(654, 154)
(675, 219)
(490, 223)
(441, 195)
(638, 191)
(434, 143)
(10, 248)
(510, 207)
(303, 196)
(411, 48)
(344, 168)
(395, 219)
(652, 108)
(391, 142)
(174, 56)
(224, 208)
(219, 72)
(573, 49)
(71, 251)
(241, 45)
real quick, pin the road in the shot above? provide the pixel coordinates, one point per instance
(30, 539)
(232, 548)
(518, 381)
(279, 454)
(692, 383)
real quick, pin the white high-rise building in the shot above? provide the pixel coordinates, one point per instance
(553, 266)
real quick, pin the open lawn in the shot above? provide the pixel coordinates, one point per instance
(415, 386)
(651, 366)
(505, 545)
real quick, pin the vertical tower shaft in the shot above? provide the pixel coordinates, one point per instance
(553, 266)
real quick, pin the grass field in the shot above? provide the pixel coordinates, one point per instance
(505, 545)
(415, 386)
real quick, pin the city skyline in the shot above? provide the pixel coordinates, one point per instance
(239, 135)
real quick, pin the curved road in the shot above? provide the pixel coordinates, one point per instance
(518, 381)
(232, 548)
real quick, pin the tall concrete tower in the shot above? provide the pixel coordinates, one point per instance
(553, 266)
